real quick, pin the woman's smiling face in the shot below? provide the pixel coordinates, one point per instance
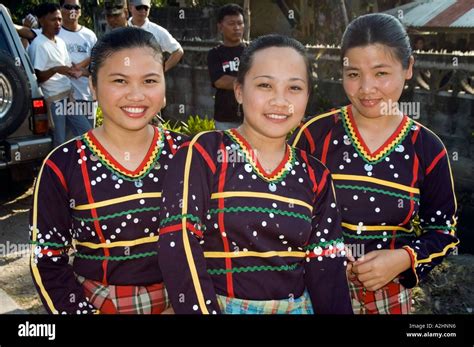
(373, 78)
(275, 91)
(131, 87)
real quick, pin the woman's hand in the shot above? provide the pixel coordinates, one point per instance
(377, 268)
(168, 311)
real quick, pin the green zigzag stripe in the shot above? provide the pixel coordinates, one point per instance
(252, 269)
(376, 190)
(119, 214)
(278, 180)
(323, 244)
(386, 154)
(262, 210)
(373, 237)
(49, 244)
(116, 258)
(179, 217)
(118, 174)
(440, 227)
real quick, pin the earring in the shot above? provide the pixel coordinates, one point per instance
(239, 110)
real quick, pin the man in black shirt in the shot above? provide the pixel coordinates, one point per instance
(223, 64)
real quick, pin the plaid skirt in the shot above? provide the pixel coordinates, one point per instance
(301, 305)
(111, 299)
(390, 299)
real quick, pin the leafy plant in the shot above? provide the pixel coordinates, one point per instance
(196, 124)
(99, 117)
(168, 125)
(191, 127)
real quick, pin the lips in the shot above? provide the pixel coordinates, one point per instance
(369, 102)
(277, 117)
(134, 111)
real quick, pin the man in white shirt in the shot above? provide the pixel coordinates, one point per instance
(79, 42)
(140, 10)
(52, 64)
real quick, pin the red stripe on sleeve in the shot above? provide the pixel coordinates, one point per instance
(58, 173)
(326, 147)
(312, 146)
(206, 157)
(435, 161)
(220, 217)
(323, 181)
(178, 227)
(310, 171)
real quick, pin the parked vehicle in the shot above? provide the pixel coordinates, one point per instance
(24, 128)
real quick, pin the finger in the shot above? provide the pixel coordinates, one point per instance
(367, 257)
(367, 277)
(349, 253)
(362, 268)
(373, 285)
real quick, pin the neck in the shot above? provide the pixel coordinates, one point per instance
(72, 26)
(228, 43)
(262, 143)
(138, 22)
(135, 141)
(49, 36)
(381, 122)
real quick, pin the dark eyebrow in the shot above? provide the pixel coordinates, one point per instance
(265, 76)
(272, 78)
(379, 66)
(147, 75)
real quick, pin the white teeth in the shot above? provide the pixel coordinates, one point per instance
(276, 116)
(134, 109)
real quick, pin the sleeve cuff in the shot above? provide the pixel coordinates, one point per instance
(409, 277)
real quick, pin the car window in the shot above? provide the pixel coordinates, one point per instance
(3, 39)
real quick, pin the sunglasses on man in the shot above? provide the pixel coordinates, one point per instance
(142, 7)
(71, 7)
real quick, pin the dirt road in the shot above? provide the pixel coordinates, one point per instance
(15, 278)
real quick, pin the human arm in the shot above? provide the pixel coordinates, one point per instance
(325, 266)
(186, 196)
(174, 59)
(50, 234)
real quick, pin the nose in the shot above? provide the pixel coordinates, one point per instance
(367, 84)
(279, 100)
(135, 93)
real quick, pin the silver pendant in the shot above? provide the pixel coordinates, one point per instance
(157, 166)
(93, 157)
(368, 167)
(139, 183)
(272, 187)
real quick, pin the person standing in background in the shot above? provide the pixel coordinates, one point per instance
(223, 64)
(52, 64)
(140, 10)
(79, 42)
(116, 13)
